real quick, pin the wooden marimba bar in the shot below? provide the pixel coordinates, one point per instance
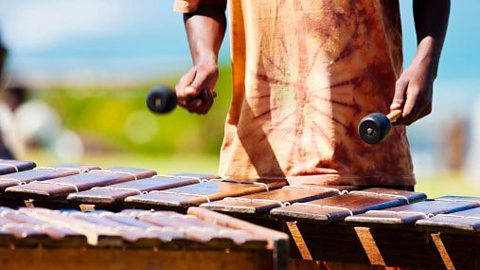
(376, 226)
(38, 238)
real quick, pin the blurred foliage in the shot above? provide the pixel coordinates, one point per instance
(117, 117)
(443, 183)
(163, 164)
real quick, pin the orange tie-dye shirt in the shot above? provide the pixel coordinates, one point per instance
(304, 73)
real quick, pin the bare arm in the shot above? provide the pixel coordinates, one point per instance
(205, 31)
(413, 92)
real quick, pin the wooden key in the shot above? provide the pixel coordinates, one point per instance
(11, 166)
(114, 194)
(61, 187)
(466, 220)
(40, 174)
(198, 193)
(409, 214)
(263, 202)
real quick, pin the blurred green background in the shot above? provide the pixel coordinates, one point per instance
(118, 130)
(116, 118)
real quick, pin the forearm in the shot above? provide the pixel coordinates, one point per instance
(431, 21)
(205, 31)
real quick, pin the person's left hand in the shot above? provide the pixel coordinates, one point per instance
(413, 91)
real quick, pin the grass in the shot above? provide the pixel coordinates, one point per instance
(451, 183)
(163, 164)
(433, 185)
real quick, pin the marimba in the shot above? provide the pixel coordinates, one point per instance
(41, 238)
(377, 226)
(52, 239)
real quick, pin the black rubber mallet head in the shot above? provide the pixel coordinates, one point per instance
(374, 127)
(161, 99)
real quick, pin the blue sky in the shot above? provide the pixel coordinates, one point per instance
(460, 58)
(145, 38)
(59, 38)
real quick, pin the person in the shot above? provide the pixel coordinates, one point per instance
(5, 152)
(3, 56)
(304, 74)
(14, 96)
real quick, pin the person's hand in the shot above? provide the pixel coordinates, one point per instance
(413, 92)
(195, 90)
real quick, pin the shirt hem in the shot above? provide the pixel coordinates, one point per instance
(335, 180)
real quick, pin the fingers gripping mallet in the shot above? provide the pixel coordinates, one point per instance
(161, 99)
(374, 127)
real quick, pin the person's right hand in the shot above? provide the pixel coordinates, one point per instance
(195, 90)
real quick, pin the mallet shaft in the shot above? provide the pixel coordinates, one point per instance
(394, 115)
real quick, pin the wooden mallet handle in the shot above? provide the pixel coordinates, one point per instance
(394, 115)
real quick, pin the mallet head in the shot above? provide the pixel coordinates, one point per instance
(161, 99)
(374, 127)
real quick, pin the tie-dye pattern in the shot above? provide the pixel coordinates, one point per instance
(304, 73)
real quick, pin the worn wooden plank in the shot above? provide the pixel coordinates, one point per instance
(370, 246)
(116, 259)
(278, 242)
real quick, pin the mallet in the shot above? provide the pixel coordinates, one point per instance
(161, 99)
(374, 127)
